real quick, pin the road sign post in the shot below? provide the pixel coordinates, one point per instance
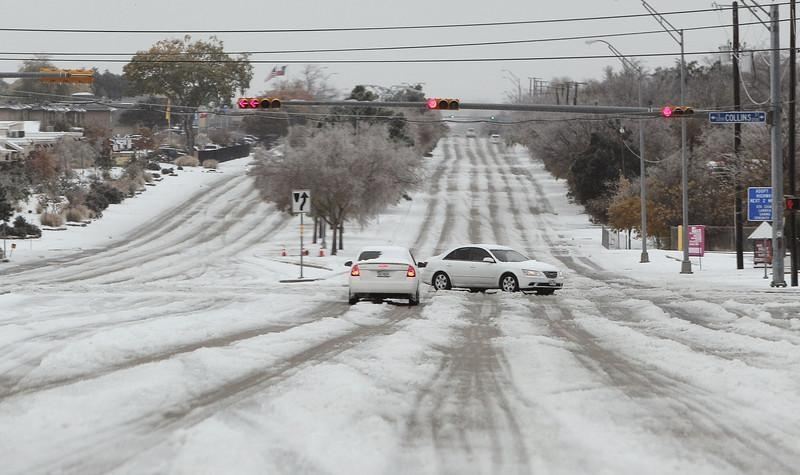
(301, 204)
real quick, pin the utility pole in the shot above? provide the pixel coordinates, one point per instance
(737, 144)
(792, 169)
(778, 244)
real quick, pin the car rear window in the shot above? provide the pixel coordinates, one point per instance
(507, 255)
(367, 255)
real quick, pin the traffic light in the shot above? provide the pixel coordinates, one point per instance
(442, 104)
(85, 76)
(676, 111)
(259, 102)
(792, 203)
(270, 103)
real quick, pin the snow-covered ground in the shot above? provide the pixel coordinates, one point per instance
(160, 339)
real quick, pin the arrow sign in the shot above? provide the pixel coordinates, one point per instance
(301, 201)
(243, 103)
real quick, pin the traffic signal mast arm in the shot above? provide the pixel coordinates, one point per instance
(579, 109)
(684, 111)
(55, 75)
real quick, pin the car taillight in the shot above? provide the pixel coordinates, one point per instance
(355, 271)
(411, 272)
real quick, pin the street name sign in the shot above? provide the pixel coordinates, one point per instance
(759, 203)
(301, 201)
(740, 117)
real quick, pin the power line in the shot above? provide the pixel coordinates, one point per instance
(366, 28)
(392, 48)
(404, 61)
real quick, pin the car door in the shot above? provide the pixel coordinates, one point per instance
(456, 265)
(481, 274)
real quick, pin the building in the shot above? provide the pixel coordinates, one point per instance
(19, 138)
(59, 116)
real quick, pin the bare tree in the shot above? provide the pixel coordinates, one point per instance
(351, 176)
(73, 153)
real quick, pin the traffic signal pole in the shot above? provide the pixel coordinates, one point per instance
(686, 264)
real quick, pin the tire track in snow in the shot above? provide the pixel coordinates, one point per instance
(469, 396)
(127, 252)
(452, 189)
(110, 448)
(435, 182)
(163, 224)
(326, 310)
(692, 412)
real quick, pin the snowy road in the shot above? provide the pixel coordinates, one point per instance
(175, 349)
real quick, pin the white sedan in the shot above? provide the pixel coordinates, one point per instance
(491, 266)
(384, 272)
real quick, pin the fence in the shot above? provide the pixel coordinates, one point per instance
(225, 153)
(718, 238)
(615, 239)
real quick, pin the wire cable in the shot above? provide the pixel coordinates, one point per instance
(406, 61)
(366, 28)
(389, 48)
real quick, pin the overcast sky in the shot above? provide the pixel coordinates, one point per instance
(471, 82)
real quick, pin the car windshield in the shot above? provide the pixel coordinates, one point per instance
(507, 255)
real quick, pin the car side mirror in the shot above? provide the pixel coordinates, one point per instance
(422, 264)
(489, 260)
(348, 263)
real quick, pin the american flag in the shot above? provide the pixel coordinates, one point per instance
(276, 71)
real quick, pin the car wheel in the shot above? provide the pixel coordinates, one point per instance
(441, 281)
(414, 299)
(508, 283)
(353, 299)
(545, 291)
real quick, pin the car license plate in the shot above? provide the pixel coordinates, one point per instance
(383, 273)
(552, 281)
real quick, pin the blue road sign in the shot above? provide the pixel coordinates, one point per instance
(733, 117)
(759, 203)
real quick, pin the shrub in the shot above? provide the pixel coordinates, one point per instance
(101, 194)
(23, 228)
(166, 171)
(180, 168)
(77, 214)
(51, 219)
(187, 161)
(210, 164)
(76, 197)
(153, 166)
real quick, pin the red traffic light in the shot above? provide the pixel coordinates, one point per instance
(256, 102)
(792, 203)
(676, 111)
(442, 104)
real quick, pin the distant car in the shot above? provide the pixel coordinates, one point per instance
(491, 266)
(471, 132)
(384, 272)
(494, 138)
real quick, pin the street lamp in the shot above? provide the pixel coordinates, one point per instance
(628, 64)
(677, 35)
